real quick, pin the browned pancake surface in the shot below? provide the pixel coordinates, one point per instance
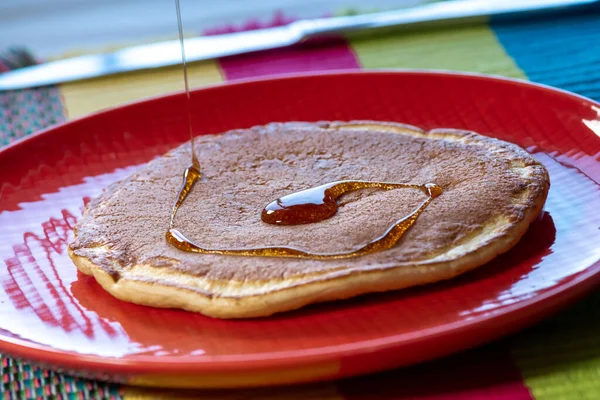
(243, 170)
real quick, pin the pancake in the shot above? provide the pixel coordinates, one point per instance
(492, 191)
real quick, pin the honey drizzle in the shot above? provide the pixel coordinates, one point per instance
(318, 203)
(333, 190)
(307, 206)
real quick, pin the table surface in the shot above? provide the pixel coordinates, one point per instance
(558, 359)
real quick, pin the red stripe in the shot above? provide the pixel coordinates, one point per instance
(487, 373)
(335, 55)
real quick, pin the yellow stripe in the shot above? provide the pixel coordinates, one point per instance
(325, 391)
(468, 48)
(255, 378)
(84, 97)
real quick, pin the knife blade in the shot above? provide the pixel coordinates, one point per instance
(167, 53)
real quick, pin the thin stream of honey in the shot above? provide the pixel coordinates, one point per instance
(195, 161)
(328, 194)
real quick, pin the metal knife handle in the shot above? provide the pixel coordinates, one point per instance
(443, 13)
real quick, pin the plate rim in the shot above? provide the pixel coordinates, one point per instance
(530, 310)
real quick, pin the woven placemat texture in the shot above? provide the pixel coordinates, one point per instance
(23, 112)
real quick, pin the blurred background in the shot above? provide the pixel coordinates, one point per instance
(51, 28)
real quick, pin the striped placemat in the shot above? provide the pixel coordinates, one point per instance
(558, 359)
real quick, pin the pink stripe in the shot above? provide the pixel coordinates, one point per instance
(278, 19)
(304, 58)
(487, 373)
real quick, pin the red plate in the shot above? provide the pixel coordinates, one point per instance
(55, 316)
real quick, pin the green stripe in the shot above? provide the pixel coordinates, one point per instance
(470, 48)
(560, 359)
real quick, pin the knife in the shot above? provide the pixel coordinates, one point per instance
(209, 47)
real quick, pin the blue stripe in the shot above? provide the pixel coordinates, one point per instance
(562, 52)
